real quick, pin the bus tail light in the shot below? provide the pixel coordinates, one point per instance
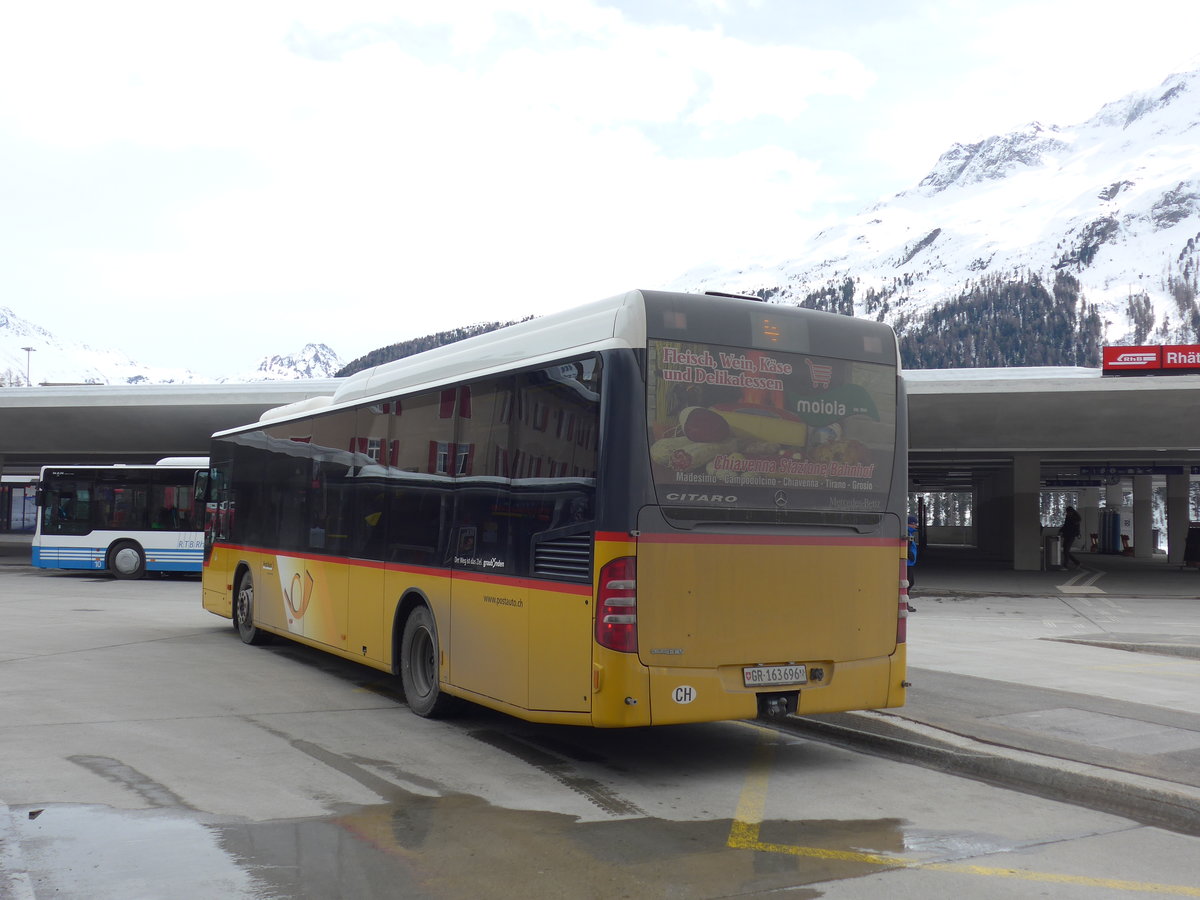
(616, 606)
(902, 610)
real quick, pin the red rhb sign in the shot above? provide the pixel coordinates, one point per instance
(1132, 359)
(1181, 356)
(1135, 360)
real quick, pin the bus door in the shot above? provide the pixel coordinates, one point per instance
(314, 582)
(489, 607)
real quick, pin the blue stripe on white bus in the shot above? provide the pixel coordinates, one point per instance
(95, 558)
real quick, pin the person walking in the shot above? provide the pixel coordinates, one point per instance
(1067, 533)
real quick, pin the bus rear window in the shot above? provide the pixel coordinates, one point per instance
(751, 429)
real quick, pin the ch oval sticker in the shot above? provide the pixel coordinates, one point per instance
(684, 694)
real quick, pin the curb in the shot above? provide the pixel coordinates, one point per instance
(14, 879)
(1149, 801)
(1161, 648)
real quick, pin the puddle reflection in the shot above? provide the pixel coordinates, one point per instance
(445, 847)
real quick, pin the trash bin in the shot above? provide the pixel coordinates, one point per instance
(1191, 549)
(1052, 552)
(1110, 531)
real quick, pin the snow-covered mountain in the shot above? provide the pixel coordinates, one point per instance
(314, 361)
(1113, 202)
(30, 352)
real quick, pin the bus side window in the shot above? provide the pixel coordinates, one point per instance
(482, 535)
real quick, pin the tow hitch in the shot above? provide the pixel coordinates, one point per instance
(778, 705)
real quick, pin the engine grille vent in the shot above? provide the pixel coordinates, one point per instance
(567, 558)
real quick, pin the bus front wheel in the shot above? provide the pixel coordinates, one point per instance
(419, 666)
(243, 612)
(126, 560)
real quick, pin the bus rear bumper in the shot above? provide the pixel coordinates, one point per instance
(704, 695)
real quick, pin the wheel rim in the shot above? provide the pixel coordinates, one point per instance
(127, 560)
(423, 662)
(245, 602)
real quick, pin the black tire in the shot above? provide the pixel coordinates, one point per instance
(126, 560)
(243, 612)
(419, 666)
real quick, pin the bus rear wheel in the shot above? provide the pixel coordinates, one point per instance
(126, 560)
(243, 612)
(419, 666)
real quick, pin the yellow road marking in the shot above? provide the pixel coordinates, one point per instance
(753, 801)
(747, 822)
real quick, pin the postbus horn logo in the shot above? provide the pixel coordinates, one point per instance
(297, 599)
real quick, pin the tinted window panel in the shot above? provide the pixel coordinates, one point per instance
(335, 459)
(289, 473)
(752, 429)
(68, 508)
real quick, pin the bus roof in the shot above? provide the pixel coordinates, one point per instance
(169, 462)
(616, 322)
(605, 324)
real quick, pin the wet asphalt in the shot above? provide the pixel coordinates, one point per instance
(1076, 685)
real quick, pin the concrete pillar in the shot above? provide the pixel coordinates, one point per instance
(1178, 515)
(993, 517)
(1026, 512)
(1143, 516)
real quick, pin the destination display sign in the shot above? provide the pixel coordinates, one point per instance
(1151, 360)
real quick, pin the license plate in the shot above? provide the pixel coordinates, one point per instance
(764, 676)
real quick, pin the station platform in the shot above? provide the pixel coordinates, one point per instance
(965, 570)
(1080, 685)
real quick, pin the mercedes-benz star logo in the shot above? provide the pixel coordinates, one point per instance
(780, 499)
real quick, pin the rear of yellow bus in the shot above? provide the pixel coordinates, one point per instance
(759, 567)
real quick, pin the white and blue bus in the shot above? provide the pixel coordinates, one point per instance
(126, 519)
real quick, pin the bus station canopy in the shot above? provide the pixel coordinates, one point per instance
(962, 422)
(97, 424)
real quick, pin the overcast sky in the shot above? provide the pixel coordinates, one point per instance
(203, 184)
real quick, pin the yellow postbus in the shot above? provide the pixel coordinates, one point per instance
(658, 508)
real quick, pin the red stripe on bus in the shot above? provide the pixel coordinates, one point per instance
(317, 557)
(584, 590)
(622, 536)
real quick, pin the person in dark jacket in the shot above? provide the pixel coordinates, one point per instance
(1068, 532)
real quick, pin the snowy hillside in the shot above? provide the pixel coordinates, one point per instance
(314, 361)
(1113, 202)
(54, 361)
